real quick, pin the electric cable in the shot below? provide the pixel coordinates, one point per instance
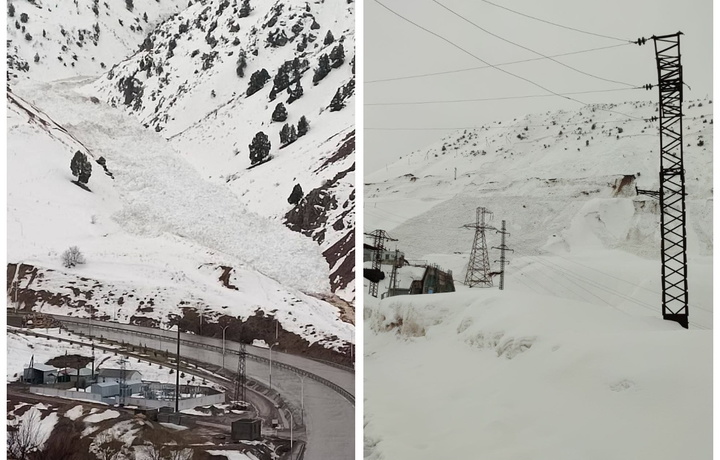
(502, 98)
(486, 62)
(432, 74)
(530, 49)
(559, 25)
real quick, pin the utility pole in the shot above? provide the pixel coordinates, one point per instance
(502, 249)
(478, 271)
(241, 376)
(177, 371)
(393, 276)
(123, 385)
(672, 180)
(379, 238)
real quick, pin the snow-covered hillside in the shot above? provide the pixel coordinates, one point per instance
(166, 238)
(572, 359)
(192, 81)
(50, 39)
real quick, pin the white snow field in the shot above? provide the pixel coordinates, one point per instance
(572, 359)
(157, 228)
(182, 223)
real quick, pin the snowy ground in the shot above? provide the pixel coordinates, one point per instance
(572, 359)
(141, 232)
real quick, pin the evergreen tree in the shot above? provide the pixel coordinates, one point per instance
(241, 64)
(338, 101)
(259, 148)
(280, 113)
(284, 133)
(295, 93)
(281, 79)
(11, 10)
(245, 9)
(292, 136)
(329, 38)
(296, 195)
(303, 126)
(337, 56)
(81, 167)
(257, 81)
(322, 70)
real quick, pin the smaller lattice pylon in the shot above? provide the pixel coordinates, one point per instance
(241, 376)
(379, 237)
(478, 270)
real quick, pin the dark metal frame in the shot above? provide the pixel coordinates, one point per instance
(241, 376)
(478, 271)
(672, 180)
(503, 261)
(379, 238)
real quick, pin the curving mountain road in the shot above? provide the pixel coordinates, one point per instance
(325, 391)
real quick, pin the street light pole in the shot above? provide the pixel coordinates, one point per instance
(271, 363)
(291, 434)
(302, 399)
(223, 352)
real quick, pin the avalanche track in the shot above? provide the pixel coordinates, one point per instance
(164, 194)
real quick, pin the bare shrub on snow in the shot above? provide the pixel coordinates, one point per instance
(72, 256)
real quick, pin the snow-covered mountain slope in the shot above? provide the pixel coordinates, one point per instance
(573, 352)
(191, 82)
(49, 39)
(546, 175)
(150, 251)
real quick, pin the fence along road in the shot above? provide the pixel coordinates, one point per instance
(329, 391)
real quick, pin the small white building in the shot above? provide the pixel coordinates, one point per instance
(38, 373)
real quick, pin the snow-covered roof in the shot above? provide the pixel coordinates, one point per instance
(105, 384)
(43, 367)
(117, 373)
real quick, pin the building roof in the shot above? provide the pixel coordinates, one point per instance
(74, 371)
(116, 373)
(43, 367)
(105, 384)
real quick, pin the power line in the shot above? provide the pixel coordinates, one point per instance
(466, 51)
(431, 74)
(558, 25)
(488, 127)
(502, 98)
(529, 49)
(486, 62)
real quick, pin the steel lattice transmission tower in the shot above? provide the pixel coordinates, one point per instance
(379, 238)
(241, 376)
(478, 271)
(672, 180)
(503, 261)
(392, 289)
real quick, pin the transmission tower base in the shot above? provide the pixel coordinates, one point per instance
(682, 319)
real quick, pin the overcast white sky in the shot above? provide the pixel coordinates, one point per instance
(395, 48)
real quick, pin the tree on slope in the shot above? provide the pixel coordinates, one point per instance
(259, 148)
(303, 126)
(245, 9)
(81, 167)
(72, 256)
(280, 113)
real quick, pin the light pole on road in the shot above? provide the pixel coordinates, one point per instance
(271, 363)
(291, 433)
(302, 398)
(223, 352)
